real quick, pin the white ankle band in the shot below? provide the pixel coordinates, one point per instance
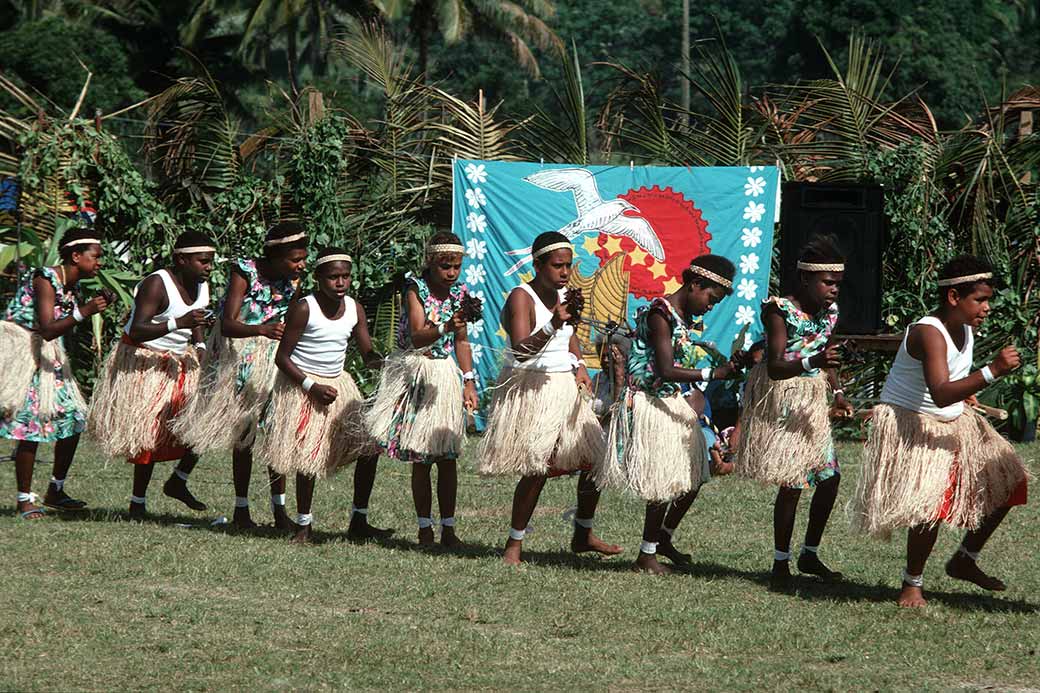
(649, 547)
(278, 499)
(354, 510)
(425, 522)
(59, 484)
(781, 555)
(25, 497)
(241, 501)
(183, 476)
(137, 500)
(516, 534)
(583, 522)
(810, 549)
(913, 580)
(304, 519)
(447, 522)
(972, 555)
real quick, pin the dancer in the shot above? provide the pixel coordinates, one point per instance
(541, 421)
(312, 425)
(655, 447)
(418, 413)
(40, 401)
(239, 374)
(152, 371)
(929, 458)
(785, 432)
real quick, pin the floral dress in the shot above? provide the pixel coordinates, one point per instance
(25, 423)
(639, 370)
(265, 301)
(437, 311)
(807, 335)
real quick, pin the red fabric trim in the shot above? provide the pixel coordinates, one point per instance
(168, 449)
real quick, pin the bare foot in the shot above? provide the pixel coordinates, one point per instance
(810, 564)
(780, 577)
(426, 537)
(512, 553)
(302, 536)
(961, 567)
(584, 541)
(912, 597)
(60, 500)
(281, 519)
(177, 488)
(666, 548)
(137, 511)
(242, 520)
(450, 540)
(360, 530)
(647, 563)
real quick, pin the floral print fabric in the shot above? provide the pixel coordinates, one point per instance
(806, 334)
(437, 311)
(640, 369)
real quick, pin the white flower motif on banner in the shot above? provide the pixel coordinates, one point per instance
(749, 263)
(478, 295)
(755, 169)
(755, 186)
(751, 237)
(474, 329)
(475, 274)
(747, 289)
(476, 173)
(477, 223)
(745, 315)
(753, 212)
(478, 351)
(748, 341)
(477, 198)
(476, 249)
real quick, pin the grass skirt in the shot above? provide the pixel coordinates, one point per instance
(300, 437)
(136, 397)
(28, 358)
(237, 382)
(417, 413)
(785, 428)
(920, 470)
(655, 448)
(540, 423)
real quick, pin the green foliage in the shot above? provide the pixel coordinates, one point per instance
(314, 170)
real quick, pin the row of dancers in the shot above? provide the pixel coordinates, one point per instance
(269, 382)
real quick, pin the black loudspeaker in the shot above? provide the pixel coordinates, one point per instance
(854, 214)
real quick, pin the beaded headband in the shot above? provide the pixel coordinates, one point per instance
(814, 267)
(338, 257)
(551, 247)
(82, 241)
(444, 248)
(954, 281)
(195, 249)
(285, 239)
(708, 274)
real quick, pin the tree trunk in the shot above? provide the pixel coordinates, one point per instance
(685, 61)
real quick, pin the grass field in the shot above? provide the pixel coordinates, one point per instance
(92, 602)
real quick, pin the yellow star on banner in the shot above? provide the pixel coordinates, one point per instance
(613, 246)
(501, 332)
(636, 256)
(526, 277)
(590, 244)
(658, 270)
(671, 285)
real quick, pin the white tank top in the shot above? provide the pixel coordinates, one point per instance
(905, 385)
(555, 356)
(322, 348)
(176, 341)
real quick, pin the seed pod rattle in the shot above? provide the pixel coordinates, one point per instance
(471, 308)
(575, 305)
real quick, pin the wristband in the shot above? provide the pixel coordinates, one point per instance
(171, 325)
(76, 315)
(806, 366)
(987, 375)
(705, 374)
(839, 391)
(469, 376)
(549, 329)
(580, 363)
(307, 384)
(442, 328)
(200, 346)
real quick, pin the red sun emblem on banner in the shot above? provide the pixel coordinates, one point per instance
(680, 227)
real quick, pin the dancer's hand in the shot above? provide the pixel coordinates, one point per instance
(469, 396)
(196, 318)
(581, 377)
(94, 305)
(561, 314)
(272, 330)
(842, 408)
(457, 321)
(1007, 360)
(830, 357)
(322, 394)
(724, 372)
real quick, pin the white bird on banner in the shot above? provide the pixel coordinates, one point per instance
(594, 214)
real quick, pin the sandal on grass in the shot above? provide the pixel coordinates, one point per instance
(64, 502)
(34, 514)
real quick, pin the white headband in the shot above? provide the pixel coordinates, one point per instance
(339, 257)
(82, 241)
(286, 239)
(195, 249)
(954, 281)
(814, 267)
(708, 274)
(444, 248)
(551, 247)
